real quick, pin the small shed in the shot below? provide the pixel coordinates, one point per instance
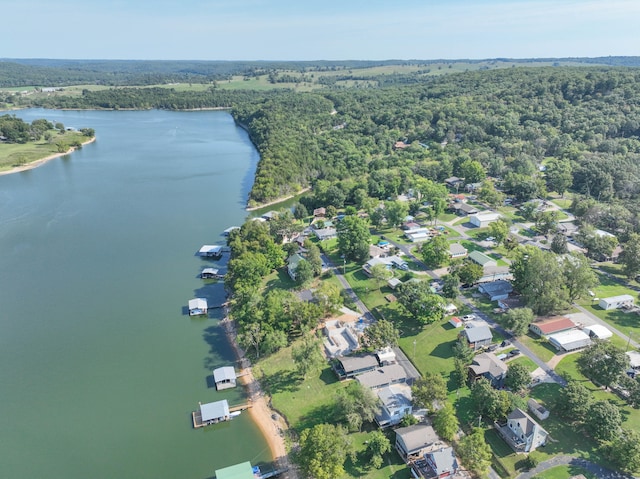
(214, 412)
(394, 283)
(570, 340)
(197, 306)
(456, 322)
(450, 309)
(224, 377)
(616, 302)
(598, 331)
(538, 409)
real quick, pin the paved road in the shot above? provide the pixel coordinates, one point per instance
(595, 469)
(345, 284)
(597, 320)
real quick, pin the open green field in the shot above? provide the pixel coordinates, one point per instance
(16, 154)
(564, 472)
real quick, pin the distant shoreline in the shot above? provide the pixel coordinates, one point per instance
(42, 161)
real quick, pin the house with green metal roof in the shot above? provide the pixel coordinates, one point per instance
(482, 259)
(239, 471)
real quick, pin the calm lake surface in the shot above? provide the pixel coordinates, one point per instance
(100, 367)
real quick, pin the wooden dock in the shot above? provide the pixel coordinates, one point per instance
(240, 407)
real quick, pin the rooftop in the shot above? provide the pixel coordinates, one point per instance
(554, 324)
(214, 410)
(417, 436)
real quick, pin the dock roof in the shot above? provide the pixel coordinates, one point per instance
(239, 471)
(210, 249)
(198, 303)
(226, 373)
(214, 410)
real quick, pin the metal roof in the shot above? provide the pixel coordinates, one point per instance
(479, 333)
(198, 303)
(383, 376)
(214, 410)
(417, 437)
(226, 373)
(239, 471)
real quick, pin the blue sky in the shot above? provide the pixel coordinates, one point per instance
(318, 30)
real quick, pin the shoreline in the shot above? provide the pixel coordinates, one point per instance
(42, 161)
(273, 430)
(279, 200)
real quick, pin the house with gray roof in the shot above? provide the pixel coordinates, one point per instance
(478, 336)
(456, 250)
(383, 376)
(496, 290)
(292, 264)
(395, 403)
(487, 365)
(351, 366)
(443, 462)
(413, 441)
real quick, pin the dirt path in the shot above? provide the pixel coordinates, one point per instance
(273, 430)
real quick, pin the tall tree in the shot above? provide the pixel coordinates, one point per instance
(377, 446)
(558, 175)
(429, 389)
(603, 362)
(381, 273)
(604, 420)
(355, 405)
(518, 377)
(624, 451)
(575, 402)
(381, 334)
(475, 453)
(578, 274)
(396, 212)
(307, 356)
(416, 298)
(470, 272)
(436, 251)
(517, 320)
(450, 286)
(354, 238)
(630, 256)
(490, 403)
(445, 422)
(324, 448)
(499, 230)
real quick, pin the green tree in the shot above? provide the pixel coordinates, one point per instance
(518, 377)
(329, 298)
(475, 453)
(300, 211)
(445, 422)
(559, 244)
(417, 300)
(436, 251)
(252, 336)
(470, 272)
(558, 175)
(429, 389)
(304, 272)
(603, 421)
(354, 238)
(395, 212)
(517, 320)
(472, 171)
(381, 334)
(603, 362)
(578, 274)
(546, 222)
(537, 275)
(575, 401)
(378, 445)
(313, 257)
(490, 195)
(355, 405)
(490, 403)
(324, 448)
(381, 273)
(408, 420)
(599, 246)
(624, 451)
(307, 356)
(499, 230)
(450, 286)
(630, 256)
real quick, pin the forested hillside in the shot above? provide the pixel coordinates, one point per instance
(581, 123)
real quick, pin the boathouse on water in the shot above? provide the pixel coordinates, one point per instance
(209, 273)
(214, 412)
(224, 377)
(211, 251)
(197, 306)
(239, 471)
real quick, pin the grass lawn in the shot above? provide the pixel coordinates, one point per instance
(540, 346)
(629, 323)
(13, 154)
(446, 217)
(526, 362)
(471, 246)
(393, 465)
(564, 472)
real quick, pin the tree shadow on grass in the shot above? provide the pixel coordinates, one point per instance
(324, 414)
(282, 381)
(443, 350)
(327, 376)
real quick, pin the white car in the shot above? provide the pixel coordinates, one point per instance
(469, 317)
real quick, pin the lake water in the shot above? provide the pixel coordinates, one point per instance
(100, 367)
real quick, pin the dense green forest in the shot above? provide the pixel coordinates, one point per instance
(580, 124)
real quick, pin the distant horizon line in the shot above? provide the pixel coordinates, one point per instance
(323, 60)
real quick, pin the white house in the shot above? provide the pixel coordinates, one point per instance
(616, 302)
(482, 220)
(456, 250)
(522, 433)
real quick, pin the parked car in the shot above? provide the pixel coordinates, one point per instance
(505, 343)
(469, 317)
(514, 352)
